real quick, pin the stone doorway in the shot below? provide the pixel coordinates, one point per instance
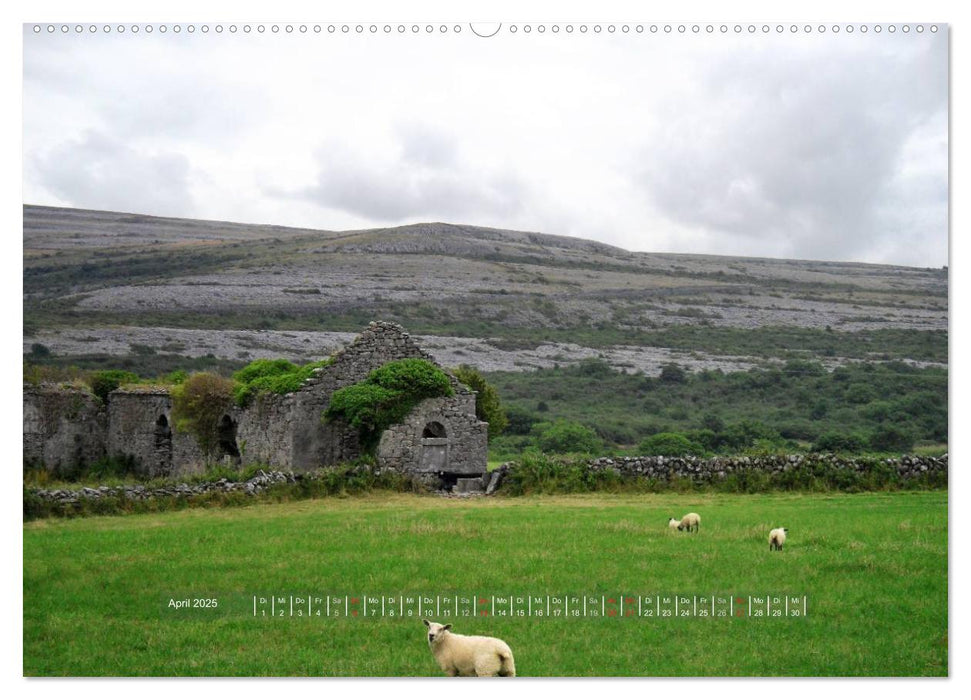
(434, 448)
(227, 440)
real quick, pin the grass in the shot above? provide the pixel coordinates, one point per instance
(873, 565)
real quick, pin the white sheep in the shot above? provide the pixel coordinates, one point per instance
(461, 655)
(674, 524)
(777, 538)
(689, 522)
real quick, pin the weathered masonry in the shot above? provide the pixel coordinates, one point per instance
(65, 429)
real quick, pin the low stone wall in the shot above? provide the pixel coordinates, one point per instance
(137, 492)
(711, 470)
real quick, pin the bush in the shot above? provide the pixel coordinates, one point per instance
(568, 437)
(539, 473)
(744, 434)
(673, 374)
(177, 377)
(386, 396)
(487, 405)
(833, 441)
(670, 445)
(593, 367)
(105, 381)
(860, 393)
(39, 350)
(712, 422)
(198, 405)
(263, 368)
(271, 377)
(521, 421)
(892, 439)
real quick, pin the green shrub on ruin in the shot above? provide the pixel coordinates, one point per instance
(272, 377)
(488, 408)
(105, 381)
(386, 396)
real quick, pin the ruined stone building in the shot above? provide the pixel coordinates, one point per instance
(68, 428)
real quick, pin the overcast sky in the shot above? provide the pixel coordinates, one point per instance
(805, 146)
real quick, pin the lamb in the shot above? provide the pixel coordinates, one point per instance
(777, 538)
(689, 521)
(674, 524)
(461, 655)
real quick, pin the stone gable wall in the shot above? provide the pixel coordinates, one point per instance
(401, 446)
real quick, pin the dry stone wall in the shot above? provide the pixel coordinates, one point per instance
(900, 470)
(64, 429)
(263, 430)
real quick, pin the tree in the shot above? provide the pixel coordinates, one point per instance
(198, 405)
(487, 405)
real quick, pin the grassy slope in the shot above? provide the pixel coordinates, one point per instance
(874, 566)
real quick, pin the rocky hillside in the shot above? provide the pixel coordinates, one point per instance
(103, 282)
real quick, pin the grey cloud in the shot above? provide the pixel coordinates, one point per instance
(161, 87)
(423, 145)
(798, 155)
(103, 173)
(425, 179)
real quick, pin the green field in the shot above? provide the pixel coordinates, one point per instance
(874, 568)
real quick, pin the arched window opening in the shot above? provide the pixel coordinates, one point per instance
(227, 437)
(434, 430)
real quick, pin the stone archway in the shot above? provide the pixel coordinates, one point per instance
(163, 445)
(227, 439)
(434, 429)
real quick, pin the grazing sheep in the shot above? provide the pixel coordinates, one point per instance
(777, 538)
(691, 520)
(461, 655)
(674, 524)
